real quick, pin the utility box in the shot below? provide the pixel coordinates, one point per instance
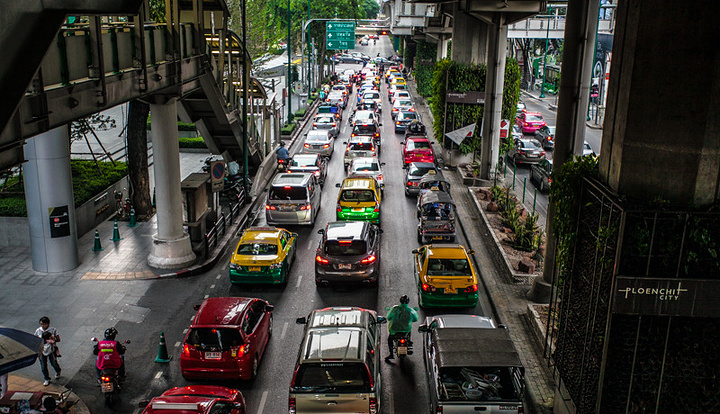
(197, 204)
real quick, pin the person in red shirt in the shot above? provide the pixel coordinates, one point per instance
(110, 354)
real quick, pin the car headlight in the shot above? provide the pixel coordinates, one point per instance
(275, 266)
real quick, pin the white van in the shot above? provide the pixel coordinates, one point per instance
(293, 198)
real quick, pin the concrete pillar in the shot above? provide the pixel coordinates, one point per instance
(171, 245)
(49, 199)
(575, 82)
(469, 39)
(492, 112)
(661, 135)
(442, 46)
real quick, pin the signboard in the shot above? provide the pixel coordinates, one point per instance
(470, 97)
(217, 175)
(666, 297)
(339, 35)
(458, 136)
(504, 128)
(59, 222)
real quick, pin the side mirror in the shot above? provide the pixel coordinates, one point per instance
(294, 234)
(143, 403)
(338, 185)
(269, 308)
(380, 231)
(301, 321)
(304, 135)
(471, 252)
(423, 328)
(414, 251)
(345, 142)
(380, 124)
(321, 231)
(382, 163)
(402, 142)
(381, 319)
(196, 307)
(127, 341)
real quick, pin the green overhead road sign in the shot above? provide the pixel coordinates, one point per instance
(340, 35)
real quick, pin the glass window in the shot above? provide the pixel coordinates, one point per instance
(287, 193)
(448, 267)
(332, 376)
(533, 118)
(360, 196)
(211, 338)
(416, 171)
(257, 249)
(345, 247)
(413, 145)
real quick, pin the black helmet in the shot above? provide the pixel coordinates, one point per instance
(404, 299)
(110, 334)
(282, 143)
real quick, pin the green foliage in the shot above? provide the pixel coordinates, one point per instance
(496, 192)
(527, 235)
(288, 129)
(183, 126)
(300, 112)
(195, 142)
(511, 218)
(425, 54)
(88, 180)
(157, 10)
(511, 88)
(565, 196)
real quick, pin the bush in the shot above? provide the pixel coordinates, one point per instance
(196, 142)
(300, 112)
(87, 181)
(287, 129)
(182, 126)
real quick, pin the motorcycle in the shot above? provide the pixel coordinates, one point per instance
(402, 345)
(110, 382)
(282, 164)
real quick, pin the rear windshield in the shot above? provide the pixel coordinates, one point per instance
(416, 171)
(367, 167)
(448, 267)
(332, 377)
(257, 249)
(413, 145)
(531, 144)
(371, 128)
(360, 196)
(345, 247)
(214, 338)
(371, 95)
(404, 116)
(324, 120)
(303, 162)
(361, 146)
(317, 138)
(533, 118)
(287, 193)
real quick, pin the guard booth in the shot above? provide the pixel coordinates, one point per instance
(197, 199)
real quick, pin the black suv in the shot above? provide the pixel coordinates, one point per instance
(368, 128)
(349, 251)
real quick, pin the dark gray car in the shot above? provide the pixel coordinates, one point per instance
(415, 172)
(349, 251)
(526, 151)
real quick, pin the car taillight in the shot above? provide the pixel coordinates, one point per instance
(438, 410)
(105, 379)
(306, 207)
(471, 289)
(550, 138)
(353, 134)
(527, 124)
(186, 350)
(521, 152)
(368, 260)
(377, 134)
(338, 208)
(326, 146)
(306, 145)
(549, 180)
(240, 351)
(377, 208)
(321, 260)
(542, 154)
(314, 124)
(373, 405)
(269, 207)
(397, 123)
(291, 405)
(334, 124)
(379, 177)
(428, 288)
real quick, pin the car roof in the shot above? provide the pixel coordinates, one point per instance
(422, 164)
(318, 132)
(291, 179)
(306, 155)
(365, 160)
(359, 138)
(345, 229)
(460, 321)
(436, 197)
(357, 183)
(223, 311)
(446, 251)
(474, 347)
(192, 399)
(339, 316)
(264, 234)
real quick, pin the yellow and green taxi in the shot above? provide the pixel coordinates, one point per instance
(445, 276)
(397, 80)
(263, 255)
(359, 199)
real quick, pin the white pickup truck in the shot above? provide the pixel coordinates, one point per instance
(471, 366)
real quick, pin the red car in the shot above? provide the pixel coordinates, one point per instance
(530, 122)
(197, 399)
(226, 339)
(417, 149)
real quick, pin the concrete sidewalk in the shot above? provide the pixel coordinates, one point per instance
(22, 383)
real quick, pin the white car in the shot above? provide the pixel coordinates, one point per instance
(364, 117)
(587, 149)
(401, 105)
(367, 166)
(400, 94)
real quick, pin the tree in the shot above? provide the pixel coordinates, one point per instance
(137, 158)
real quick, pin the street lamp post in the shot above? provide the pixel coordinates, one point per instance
(288, 72)
(309, 53)
(547, 38)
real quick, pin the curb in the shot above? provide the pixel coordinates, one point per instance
(533, 319)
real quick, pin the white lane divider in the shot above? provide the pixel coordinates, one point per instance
(158, 375)
(282, 334)
(297, 285)
(177, 344)
(218, 276)
(262, 402)
(185, 330)
(212, 286)
(207, 296)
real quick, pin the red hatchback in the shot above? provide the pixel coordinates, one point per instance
(205, 399)
(530, 122)
(417, 149)
(226, 339)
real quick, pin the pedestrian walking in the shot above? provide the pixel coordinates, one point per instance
(48, 351)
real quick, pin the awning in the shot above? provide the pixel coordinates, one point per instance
(458, 136)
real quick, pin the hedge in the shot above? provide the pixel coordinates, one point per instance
(182, 126)
(87, 182)
(195, 142)
(300, 112)
(287, 129)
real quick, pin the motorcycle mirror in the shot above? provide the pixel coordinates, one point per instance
(301, 321)
(94, 339)
(127, 341)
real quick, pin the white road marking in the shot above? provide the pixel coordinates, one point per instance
(192, 317)
(158, 375)
(297, 285)
(282, 335)
(185, 330)
(262, 402)
(207, 296)
(177, 344)
(212, 286)
(218, 276)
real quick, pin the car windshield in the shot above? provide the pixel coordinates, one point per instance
(257, 249)
(324, 120)
(360, 196)
(345, 247)
(403, 103)
(416, 171)
(303, 161)
(413, 145)
(408, 117)
(360, 146)
(214, 338)
(287, 193)
(531, 144)
(371, 95)
(448, 267)
(365, 128)
(316, 138)
(534, 118)
(332, 377)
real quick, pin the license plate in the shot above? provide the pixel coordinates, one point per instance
(450, 290)
(287, 208)
(358, 209)
(254, 268)
(437, 237)
(107, 387)
(213, 355)
(402, 350)
(345, 266)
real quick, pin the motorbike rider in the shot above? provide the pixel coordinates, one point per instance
(110, 354)
(282, 152)
(400, 320)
